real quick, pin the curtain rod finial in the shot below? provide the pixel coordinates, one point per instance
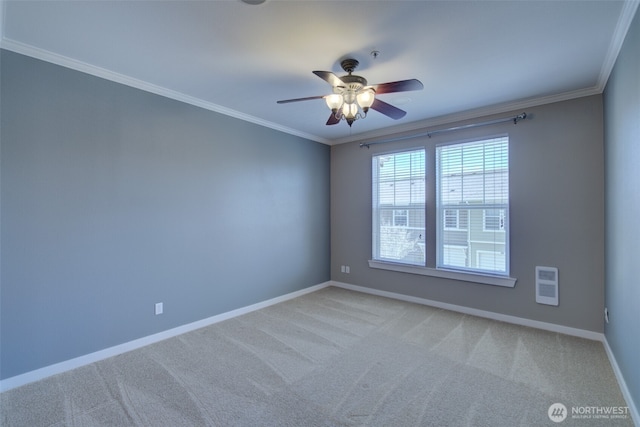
(519, 117)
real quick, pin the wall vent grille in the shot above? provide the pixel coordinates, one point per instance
(547, 285)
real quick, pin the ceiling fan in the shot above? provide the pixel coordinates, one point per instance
(352, 97)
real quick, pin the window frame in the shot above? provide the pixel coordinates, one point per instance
(418, 249)
(431, 217)
(480, 147)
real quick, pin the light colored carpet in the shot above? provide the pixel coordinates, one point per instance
(332, 358)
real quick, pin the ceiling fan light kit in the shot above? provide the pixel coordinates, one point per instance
(352, 96)
(352, 99)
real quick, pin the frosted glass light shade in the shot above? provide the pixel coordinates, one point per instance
(350, 110)
(365, 99)
(334, 101)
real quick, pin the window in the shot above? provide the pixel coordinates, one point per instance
(399, 207)
(455, 219)
(493, 220)
(470, 196)
(400, 218)
(472, 200)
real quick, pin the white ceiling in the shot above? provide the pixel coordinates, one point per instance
(230, 57)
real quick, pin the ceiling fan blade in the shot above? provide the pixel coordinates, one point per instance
(332, 120)
(388, 109)
(399, 86)
(330, 78)
(308, 98)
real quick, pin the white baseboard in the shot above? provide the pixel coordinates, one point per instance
(42, 373)
(475, 312)
(67, 365)
(633, 409)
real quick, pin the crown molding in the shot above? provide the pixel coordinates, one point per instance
(64, 61)
(627, 14)
(426, 125)
(625, 19)
(2, 15)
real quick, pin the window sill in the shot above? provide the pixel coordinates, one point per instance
(508, 282)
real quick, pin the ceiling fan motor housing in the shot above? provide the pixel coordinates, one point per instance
(352, 83)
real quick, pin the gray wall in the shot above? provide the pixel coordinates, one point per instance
(557, 216)
(622, 249)
(113, 199)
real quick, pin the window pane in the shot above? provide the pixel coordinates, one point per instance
(455, 255)
(398, 193)
(473, 205)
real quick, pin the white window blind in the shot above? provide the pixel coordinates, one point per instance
(472, 182)
(398, 207)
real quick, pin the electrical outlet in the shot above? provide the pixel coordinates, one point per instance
(342, 268)
(159, 308)
(347, 269)
(606, 315)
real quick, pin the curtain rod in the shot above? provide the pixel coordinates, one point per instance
(515, 121)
